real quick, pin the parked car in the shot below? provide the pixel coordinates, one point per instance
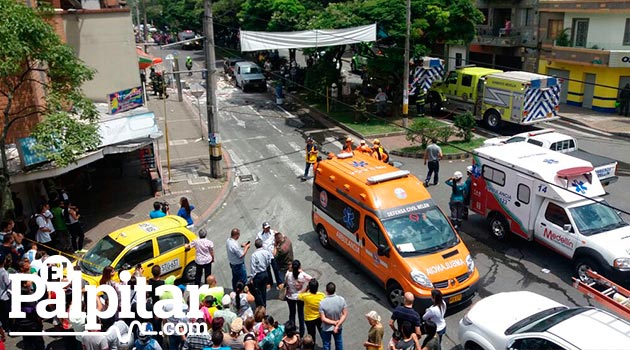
(191, 45)
(248, 75)
(228, 66)
(527, 321)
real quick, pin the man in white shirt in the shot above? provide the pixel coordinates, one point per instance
(204, 256)
(44, 224)
(260, 261)
(236, 257)
(267, 235)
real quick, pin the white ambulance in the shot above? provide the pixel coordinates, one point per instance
(552, 198)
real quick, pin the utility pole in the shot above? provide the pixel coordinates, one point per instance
(178, 78)
(405, 109)
(144, 28)
(214, 140)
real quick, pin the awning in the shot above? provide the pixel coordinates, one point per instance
(255, 41)
(50, 170)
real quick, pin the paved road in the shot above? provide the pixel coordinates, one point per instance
(261, 144)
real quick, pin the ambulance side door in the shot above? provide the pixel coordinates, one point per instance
(375, 249)
(550, 229)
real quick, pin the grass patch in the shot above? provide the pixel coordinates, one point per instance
(452, 147)
(375, 126)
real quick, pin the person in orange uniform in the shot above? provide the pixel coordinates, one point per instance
(348, 146)
(364, 148)
(378, 152)
(311, 156)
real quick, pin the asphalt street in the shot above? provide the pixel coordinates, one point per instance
(268, 157)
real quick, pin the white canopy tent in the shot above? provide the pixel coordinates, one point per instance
(256, 41)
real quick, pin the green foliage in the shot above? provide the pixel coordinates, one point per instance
(562, 39)
(422, 130)
(32, 53)
(272, 15)
(320, 75)
(465, 123)
(176, 15)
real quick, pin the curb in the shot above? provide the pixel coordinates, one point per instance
(452, 156)
(577, 121)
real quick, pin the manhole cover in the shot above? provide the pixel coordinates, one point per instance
(127, 216)
(246, 178)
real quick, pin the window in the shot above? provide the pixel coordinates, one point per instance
(554, 28)
(493, 175)
(556, 215)
(169, 242)
(535, 344)
(626, 32)
(563, 146)
(580, 32)
(374, 232)
(466, 80)
(452, 78)
(535, 142)
(515, 139)
(522, 193)
(338, 210)
(138, 254)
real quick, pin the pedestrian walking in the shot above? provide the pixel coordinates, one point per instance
(311, 156)
(185, 210)
(311, 299)
(456, 203)
(435, 313)
(333, 311)
(75, 227)
(189, 65)
(432, 157)
(268, 237)
(236, 257)
(624, 99)
(204, 256)
(260, 262)
(283, 253)
(406, 313)
(381, 102)
(375, 334)
(296, 281)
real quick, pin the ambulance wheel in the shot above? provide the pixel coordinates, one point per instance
(435, 105)
(499, 227)
(189, 272)
(583, 264)
(324, 240)
(493, 120)
(395, 294)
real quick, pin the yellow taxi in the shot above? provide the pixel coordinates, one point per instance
(153, 242)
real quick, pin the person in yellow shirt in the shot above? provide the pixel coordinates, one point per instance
(311, 156)
(311, 298)
(378, 151)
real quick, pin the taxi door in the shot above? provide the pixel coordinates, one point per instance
(372, 243)
(171, 255)
(142, 253)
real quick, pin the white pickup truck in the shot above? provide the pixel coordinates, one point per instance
(606, 168)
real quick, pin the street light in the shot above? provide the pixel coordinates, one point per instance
(197, 90)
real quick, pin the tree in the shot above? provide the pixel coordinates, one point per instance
(272, 15)
(32, 54)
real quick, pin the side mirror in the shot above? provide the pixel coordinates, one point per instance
(383, 250)
(566, 228)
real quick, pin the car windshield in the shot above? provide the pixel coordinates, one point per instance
(101, 255)
(544, 320)
(595, 218)
(420, 232)
(251, 70)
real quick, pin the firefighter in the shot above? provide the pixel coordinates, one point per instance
(379, 152)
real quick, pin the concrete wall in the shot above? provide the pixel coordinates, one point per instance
(604, 29)
(104, 40)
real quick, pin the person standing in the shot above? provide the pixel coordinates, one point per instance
(296, 282)
(407, 313)
(347, 148)
(624, 99)
(189, 65)
(284, 253)
(157, 211)
(468, 184)
(378, 151)
(185, 210)
(381, 102)
(311, 156)
(77, 236)
(204, 256)
(260, 262)
(421, 100)
(375, 334)
(346, 91)
(432, 156)
(334, 96)
(60, 225)
(5, 288)
(311, 299)
(333, 311)
(225, 312)
(458, 191)
(359, 108)
(45, 228)
(268, 237)
(435, 313)
(236, 257)
(241, 299)
(274, 336)
(364, 148)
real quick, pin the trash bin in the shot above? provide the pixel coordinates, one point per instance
(155, 181)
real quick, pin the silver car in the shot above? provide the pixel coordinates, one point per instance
(248, 75)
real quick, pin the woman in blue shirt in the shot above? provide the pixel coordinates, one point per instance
(185, 210)
(457, 198)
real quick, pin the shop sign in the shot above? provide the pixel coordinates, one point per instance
(125, 100)
(28, 155)
(619, 59)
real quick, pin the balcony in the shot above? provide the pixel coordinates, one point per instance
(495, 40)
(594, 54)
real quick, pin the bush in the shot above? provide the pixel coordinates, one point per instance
(465, 123)
(422, 130)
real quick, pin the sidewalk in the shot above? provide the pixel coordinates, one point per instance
(189, 175)
(610, 123)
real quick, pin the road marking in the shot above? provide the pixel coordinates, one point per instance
(239, 122)
(336, 128)
(177, 142)
(263, 118)
(260, 137)
(296, 147)
(334, 141)
(239, 168)
(275, 151)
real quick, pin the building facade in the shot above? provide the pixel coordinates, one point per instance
(587, 43)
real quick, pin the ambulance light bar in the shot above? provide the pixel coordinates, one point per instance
(344, 155)
(388, 176)
(576, 171)
(541, 132)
